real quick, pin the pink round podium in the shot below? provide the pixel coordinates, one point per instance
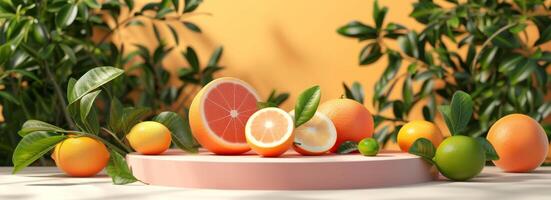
(289, 172)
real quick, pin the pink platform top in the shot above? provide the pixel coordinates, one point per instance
(289, 172)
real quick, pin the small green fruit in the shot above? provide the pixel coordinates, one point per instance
(460, 158)
(368, 147)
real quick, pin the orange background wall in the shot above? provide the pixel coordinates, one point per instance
(284, 44)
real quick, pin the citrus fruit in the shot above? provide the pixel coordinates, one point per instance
(149, 138)
(80, 156)
(269, 132)
(218, 115)
(520, 142)
(368, 147)
(316, 136)
(351, 119)
(460, 158)
(418, 129)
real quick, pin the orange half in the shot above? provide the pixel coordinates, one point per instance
(269, 132)
(218, 115)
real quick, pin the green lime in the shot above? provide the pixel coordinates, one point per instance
(460, 158)
(368, 147)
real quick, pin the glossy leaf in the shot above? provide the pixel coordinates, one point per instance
(370, 54)
(191, 5)
(86, 104)
(192, 59)
(489, 150)
(307, 104)
(32, 147)
(192, 27)
(66, 16)
(118, 170)
(347, 147)
(31, 126)
(424, 148)
(180, 131)
(215, 57)
(358, 30)
(92, 80)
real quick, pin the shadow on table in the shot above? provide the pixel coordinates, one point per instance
(15, 196)
(69, 184)
(62, 175)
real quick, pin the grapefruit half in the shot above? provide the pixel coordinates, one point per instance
(218, 115)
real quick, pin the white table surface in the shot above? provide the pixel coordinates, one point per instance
(49, 183)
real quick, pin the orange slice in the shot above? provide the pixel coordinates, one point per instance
(316, 136)
(218, 115)
(269, 132)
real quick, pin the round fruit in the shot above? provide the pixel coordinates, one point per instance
(520, 142)
(269, 132)
(218, 114)
(316, 136)
(149, 137)
(351, 119)
(418, 129)
(368, 147)
(80, 156)
(460, 158)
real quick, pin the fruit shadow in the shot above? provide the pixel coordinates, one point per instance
(69, 184)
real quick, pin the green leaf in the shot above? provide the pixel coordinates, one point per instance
(347, 147)
(181, 133)
(261, 105)
(132, 116)
(453, 22)
(191, 5)
(130, 4)
(86, 103)
(215, 57)
(66, 15)
(32, 147)
(370, 54)
(9, 97)
(407, 93)
(93, 4)
(158, 36)
(491, 153)
(118, 170)
(307, 104)
(31, 126)
(445, 110)
(545, 36)
(116, 117)
(355, 93)
(379, 14)
(174, 34)
(462, 110)
(192, 27)
(357, 29)
(424, 148)
(192, 59)
(92, 80)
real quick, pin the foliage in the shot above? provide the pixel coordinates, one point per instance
(461, 109)
(40, 137)
(478, 46)
(45, 43)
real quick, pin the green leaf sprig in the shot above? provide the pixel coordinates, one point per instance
(307, 104)
(457, 117)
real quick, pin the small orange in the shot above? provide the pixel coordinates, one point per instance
(269, 132)
(80, 156)
(351, 119)
(149, 137)
(520, 142)
(418, 129)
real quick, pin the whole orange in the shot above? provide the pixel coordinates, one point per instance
(351, 119)
(418, 129)
(149, 137)
(520, 142)
(80, 156)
